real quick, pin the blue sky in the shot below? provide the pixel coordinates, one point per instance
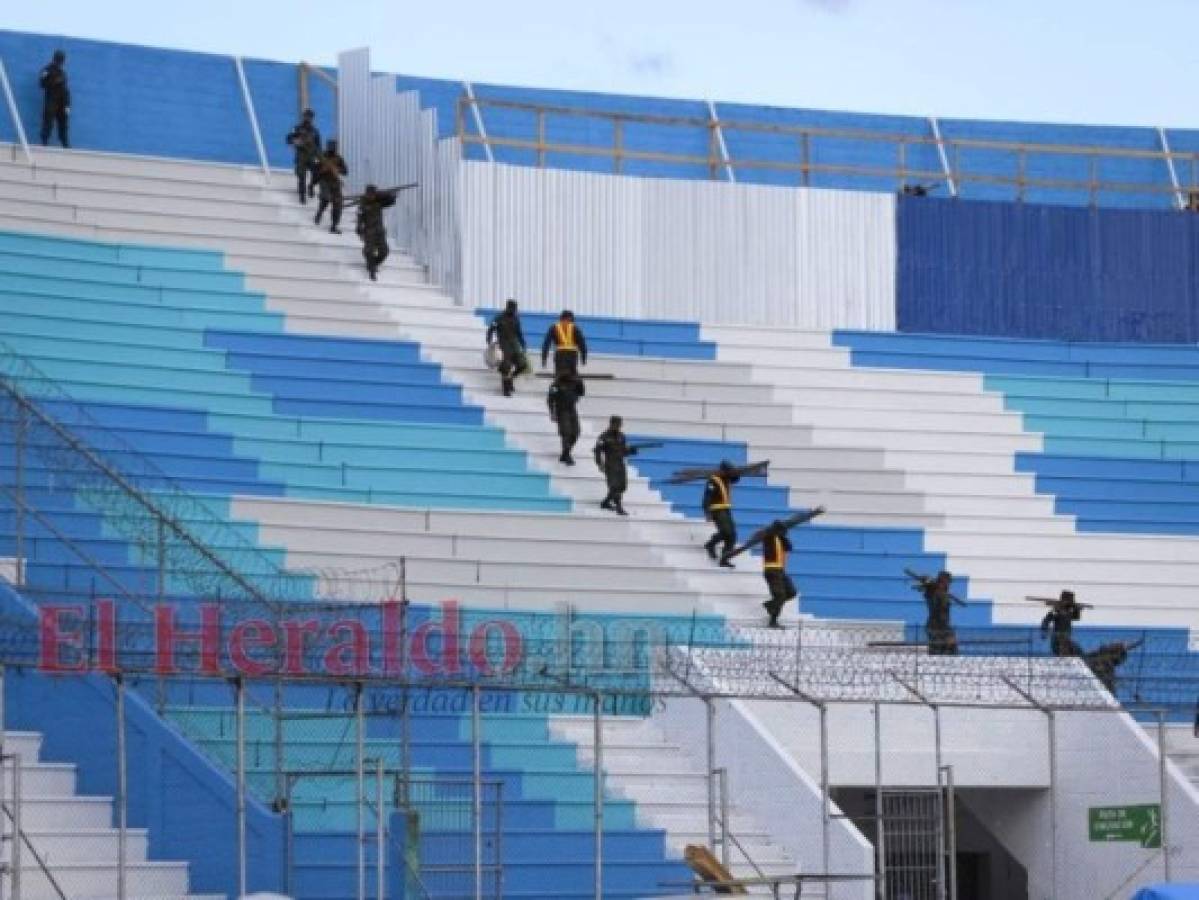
(1094, 61)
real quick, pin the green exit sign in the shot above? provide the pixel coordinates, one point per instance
(1137, 824)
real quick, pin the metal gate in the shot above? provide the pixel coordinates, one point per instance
(919, 844)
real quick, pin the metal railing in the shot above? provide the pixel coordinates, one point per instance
(147, 507)
(957, 159)
(14, 113)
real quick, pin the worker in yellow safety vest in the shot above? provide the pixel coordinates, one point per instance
(570, 347)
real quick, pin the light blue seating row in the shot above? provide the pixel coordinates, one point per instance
(1107, 439)
(219, 352)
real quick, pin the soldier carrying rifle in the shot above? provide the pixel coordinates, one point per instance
(942, 639)
(1107, 658)
(611, 451)
(775, 547)
(371, 228)
(305, 140)
(330, 167)
(1058, 624)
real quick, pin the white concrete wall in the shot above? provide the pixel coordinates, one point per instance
(659, 248)
(1103, 760)
(978, 743)
(764, 777)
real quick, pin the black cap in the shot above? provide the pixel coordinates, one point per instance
(331, 144)
(510, 306)
(947, 575)
(59, 56)
(726, 466)
(309, 114)
(370, 188)
(1067, 597)
(566, 314)
(777, 525)
(615, 422)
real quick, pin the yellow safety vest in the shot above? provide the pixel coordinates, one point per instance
(564, 332)
(776, 553)
(724, 500)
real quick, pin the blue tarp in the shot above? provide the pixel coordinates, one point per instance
(1168, 892)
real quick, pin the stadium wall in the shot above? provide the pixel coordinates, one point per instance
(667, 249)
(1028, 271)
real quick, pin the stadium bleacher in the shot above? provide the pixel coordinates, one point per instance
(182, 317)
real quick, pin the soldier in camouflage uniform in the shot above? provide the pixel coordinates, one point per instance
(371, 228)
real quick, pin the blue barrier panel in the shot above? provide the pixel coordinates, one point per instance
(147, 100)
(1016, 270)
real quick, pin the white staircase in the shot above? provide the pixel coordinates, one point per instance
(667, 781)
(69, 839)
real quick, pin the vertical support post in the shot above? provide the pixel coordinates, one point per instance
(239, 689)
(160, 590)
(380, 832)
(476, 741)
(360, 783)
(278, 729)
(3, 789)
(1021, 172)
(302, 87)
(825, 811)
(941, 881)
(725, 843)
(15, 113)
(950, 181)
(541, 138)
(1093, 186)
(720, 142)
(477, 114)
(1164, 792)
(880, 846)
(253, 116)
(16, 852)
(19, 490)
(710, 716)
(289, 838)
(1053, 817)
(599, 795)
(160, 584)
(805, 159)
(901, 152)
(617, 146)
(951, 845)
(405, 714)
(122, 791)
(1179, 198)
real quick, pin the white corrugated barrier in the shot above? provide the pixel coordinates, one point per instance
(617, 245)
(389, 140)
(659, 248)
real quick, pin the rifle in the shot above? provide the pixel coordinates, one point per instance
(644, 445)
(356, 198)
(326, 167)
(752, 470)
(1052, 601)
(788, 523)
(923, 580)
